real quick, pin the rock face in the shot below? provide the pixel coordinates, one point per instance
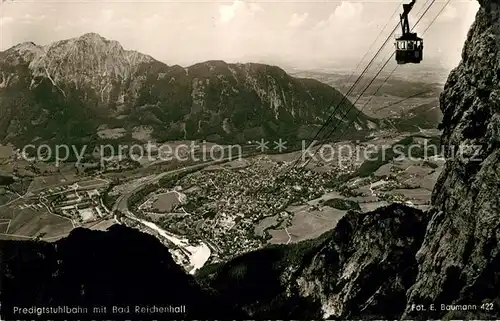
(87, 60)
(459, 262)
(73, 88)
(368, 264)
(121, 267)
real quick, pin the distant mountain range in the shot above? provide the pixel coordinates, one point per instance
(90, 89)
(429, 70)
(408, 102)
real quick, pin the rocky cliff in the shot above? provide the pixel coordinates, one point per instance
(459, 262)
(90, 88)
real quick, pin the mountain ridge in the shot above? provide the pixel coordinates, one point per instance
(90, 77)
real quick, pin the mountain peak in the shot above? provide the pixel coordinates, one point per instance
(92, 36)
(95, 39)
(25, 50)
(87, 58)
(25, 46)
(86, 41)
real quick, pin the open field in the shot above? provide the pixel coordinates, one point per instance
(166, 202)
(325, 197)
(418, 196)
(279, 237)
(6, 167)
(311, 224)
(428, 181)
(55, 182)
(4, 226)
(46, 182)
(368, 207)
(29, 222)
(307, 225)
(6, 213)
(6, 151)
(6, 198)
(264, 224)
(391, 106)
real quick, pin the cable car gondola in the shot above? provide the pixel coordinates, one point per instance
(409, 47)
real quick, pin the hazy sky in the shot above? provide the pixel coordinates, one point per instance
(305, 34)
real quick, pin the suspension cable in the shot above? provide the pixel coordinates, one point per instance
(369, 84)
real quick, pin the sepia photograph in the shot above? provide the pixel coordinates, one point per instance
(249, 159)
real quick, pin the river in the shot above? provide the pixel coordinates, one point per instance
(199, 254)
